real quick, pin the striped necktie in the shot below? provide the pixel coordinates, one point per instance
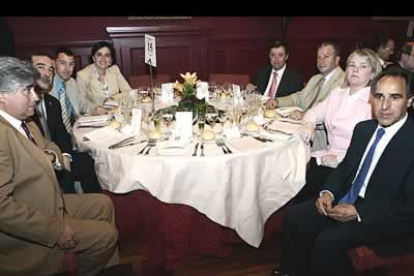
(64, 103)
(272, 91)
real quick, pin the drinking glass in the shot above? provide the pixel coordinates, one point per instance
(168, 117)
(211, 115)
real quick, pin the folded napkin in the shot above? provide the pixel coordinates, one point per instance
(175, 145)
(285, 111)
(246, 143)
(102, 120)
(284, 126)
(106, 136)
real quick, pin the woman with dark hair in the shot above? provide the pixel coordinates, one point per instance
(101, 79)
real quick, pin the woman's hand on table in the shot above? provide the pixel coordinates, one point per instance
(307, 132)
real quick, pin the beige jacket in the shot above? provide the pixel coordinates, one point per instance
(31, 217)
(90, 87)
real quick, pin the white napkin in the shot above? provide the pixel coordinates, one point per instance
(175, 145)
(110, 104)
(285, 111)
(102, 120)
(284, 126)
(246, 143)
(107, 136)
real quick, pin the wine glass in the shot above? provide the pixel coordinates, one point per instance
(211, 115)
(168, 117)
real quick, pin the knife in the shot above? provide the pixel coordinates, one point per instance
(126, 140)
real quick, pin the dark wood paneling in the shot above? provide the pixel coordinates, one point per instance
(179, 49)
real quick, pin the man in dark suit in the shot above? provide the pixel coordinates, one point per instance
(48, 117)
(275, 79)
(368, 198)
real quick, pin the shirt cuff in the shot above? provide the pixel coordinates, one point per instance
(326, 191)
(359, 218)
(56, 164)
(68, 155)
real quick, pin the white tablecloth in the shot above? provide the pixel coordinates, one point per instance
(239, 190)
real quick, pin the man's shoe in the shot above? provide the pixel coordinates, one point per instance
(278, 273)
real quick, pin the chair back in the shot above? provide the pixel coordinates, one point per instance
(239, 79)
(144, 80)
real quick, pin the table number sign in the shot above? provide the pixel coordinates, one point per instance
(150, 51)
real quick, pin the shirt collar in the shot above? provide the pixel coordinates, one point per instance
(16, 123)
(329, 76)
(280, 71)
(59, 82)
(392, 129)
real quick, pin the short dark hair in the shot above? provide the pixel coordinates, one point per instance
(38, 53)
(337, 49)
(381, 40)
(102, 44)
(64, 50)
(278, 44)
(395, 72)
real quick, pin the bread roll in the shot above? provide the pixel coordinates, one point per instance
(270, 113)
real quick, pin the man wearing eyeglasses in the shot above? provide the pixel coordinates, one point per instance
(38, 223)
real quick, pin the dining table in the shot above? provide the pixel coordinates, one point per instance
(234, 185)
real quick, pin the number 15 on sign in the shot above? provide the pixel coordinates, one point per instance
(150, 53)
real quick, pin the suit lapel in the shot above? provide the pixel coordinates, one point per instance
(283, 83)
(30, 148)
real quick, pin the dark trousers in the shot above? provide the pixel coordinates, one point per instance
(315, 179)
(83, 170)
(316, 245)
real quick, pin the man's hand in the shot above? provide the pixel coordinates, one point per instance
(324, 204)
(68, 238)
(329, 160)
(66, 162)
(297, 115)
(250, 87)
(343, 213)
(99, 110)
(272, 104)
(307, 132)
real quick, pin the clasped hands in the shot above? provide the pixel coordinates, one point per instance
(340, 212)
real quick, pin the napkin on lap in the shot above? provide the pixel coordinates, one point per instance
(246, 143)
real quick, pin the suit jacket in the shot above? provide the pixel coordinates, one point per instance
(57, 128)
(81, 105)
(291, 81)
(89, 86)
(31, 217)
(389, 197)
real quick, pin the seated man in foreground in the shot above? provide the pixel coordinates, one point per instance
(368, 198)
(37, 223)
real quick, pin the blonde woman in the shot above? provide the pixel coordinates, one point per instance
(340, 112)
(101, 79)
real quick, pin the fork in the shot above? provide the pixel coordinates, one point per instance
(221, 145)
(151, 144)
(145, 147)
(221, 141)
(202, 149)
(195, 149)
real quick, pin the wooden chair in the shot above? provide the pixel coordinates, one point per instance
(144, 80)
(239, 79)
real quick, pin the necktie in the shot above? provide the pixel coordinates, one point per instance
(64, 103)
(42, 119)
(272, 91)
(319, 88)
(353, 192)
(27, 131)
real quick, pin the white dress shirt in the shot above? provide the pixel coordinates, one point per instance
(280, 73)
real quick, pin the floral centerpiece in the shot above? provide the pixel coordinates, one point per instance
(188, 91)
